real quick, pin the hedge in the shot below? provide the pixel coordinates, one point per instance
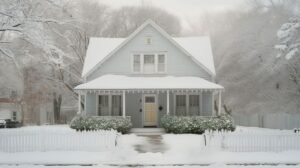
(87, 123)
(196, 124)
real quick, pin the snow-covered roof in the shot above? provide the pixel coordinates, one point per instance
(120, 82)
(200, 49)
(197, 47)
(97, 50)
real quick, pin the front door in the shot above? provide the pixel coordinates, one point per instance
(150, 110)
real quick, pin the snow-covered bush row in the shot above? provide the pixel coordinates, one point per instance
(117, 123)
(196, 124)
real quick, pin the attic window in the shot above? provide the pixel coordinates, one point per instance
(148, 40)
(149, 63)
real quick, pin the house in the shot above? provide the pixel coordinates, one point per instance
(9, 109)
(147, 75)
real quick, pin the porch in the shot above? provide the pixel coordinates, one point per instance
(147, 99)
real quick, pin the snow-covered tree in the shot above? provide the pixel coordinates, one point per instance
(33, 33)
(289, 47)
(243, 46)
(289, 38)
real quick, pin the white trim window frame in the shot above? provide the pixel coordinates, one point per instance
(187, 103)
(194, 104)
(109, 107)
(138, 67)
(157, 63)
(149, 63)
(164, 63)
(184, 110)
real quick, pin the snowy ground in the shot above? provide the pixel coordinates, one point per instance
(181, 150)
(159, 166)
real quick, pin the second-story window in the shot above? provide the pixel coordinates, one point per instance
(136, 63)
(149, 63)
(161, 65)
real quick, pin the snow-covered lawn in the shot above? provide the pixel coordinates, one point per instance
(182, 149)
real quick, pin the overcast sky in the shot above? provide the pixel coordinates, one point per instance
(186, 10)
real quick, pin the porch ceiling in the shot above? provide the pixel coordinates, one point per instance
(165, 83)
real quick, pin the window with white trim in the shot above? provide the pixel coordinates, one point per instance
(186, 104)
(103, 108)
(116, 105)
(149, 63)
(14, 115)
(148, 40)
(161, 65)
(194, 100)
(194, 105)
(136, 63)
(180, 104)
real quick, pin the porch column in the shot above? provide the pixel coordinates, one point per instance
(168, 102)
(79, 104)
(220, 97)
(124, 104)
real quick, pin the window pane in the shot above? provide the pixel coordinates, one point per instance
(149, 99)
(194, 100)
(149, 63)
(136, 63)
(161, 63)
(116, 105)
(161, 59)
(180, 105)
(103, 100)
(180, 100)
(103, 108)
(149, 59)
(14, 115)
(148, 40)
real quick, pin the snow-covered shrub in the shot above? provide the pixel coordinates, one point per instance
(196, 124)
(118, 123)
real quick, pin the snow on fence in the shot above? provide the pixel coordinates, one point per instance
(253, 142)
(48, 138)
(272, 120)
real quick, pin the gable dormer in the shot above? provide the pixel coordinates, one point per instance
(149, 50)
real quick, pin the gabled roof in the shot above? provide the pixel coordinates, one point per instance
(120, 82)
(100, 49)
(97, 50)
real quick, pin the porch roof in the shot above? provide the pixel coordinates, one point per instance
(120, 82)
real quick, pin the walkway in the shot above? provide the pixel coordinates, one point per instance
(152, 144)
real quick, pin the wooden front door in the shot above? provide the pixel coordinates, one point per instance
(150, 110)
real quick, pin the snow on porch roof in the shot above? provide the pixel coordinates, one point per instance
(119, 82)
(198, 47)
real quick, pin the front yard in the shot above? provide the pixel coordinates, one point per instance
(180, 149)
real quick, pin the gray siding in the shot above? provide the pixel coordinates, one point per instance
(91, 104)
(178, 64)
(133, 106)
(207, 106)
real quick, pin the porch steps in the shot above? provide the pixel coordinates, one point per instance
(147, 131)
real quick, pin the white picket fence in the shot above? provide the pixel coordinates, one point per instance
(55, 139)
(253, 142)
(269, 120)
